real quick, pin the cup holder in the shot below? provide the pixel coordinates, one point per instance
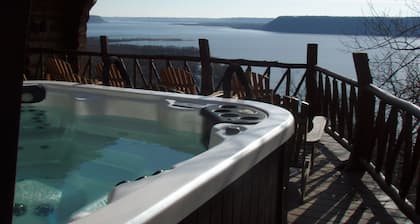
(249, 118)
(222, 111)
(228, 113)
(228, 106)
(236, 114)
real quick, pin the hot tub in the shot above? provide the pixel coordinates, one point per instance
(96, 154)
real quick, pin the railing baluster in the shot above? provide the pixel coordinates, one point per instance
(328, 98)
(90, 67)
(350, 118)
(155, 71)
(299, 85)
(321, 93)
(42, 74)
(281, 80)
(334, 107)
(381, 136)
(391, 149)
(141, 74)
(267, 72)
(85, 69)
(186, 66)
(406, 177)
(248, 68)
(288, 80)
(134, 74)
(169, 64)
(151, 74)
(343, 111)
(416, 161)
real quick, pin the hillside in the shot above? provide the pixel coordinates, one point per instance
(334, 25)
(96, 19)
(237, 23)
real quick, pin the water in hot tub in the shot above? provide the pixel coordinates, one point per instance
(68, 163)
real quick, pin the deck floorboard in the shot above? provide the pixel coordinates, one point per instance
(336, 196)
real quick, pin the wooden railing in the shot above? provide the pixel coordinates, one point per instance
(380, 130)
(338, 100)
(142, 69)
(287, 79)
(387, 141)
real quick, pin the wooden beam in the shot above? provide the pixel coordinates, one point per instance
(311, 83)
(364, 113)
(207, 83)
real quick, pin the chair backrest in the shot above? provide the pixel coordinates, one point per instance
(300, 111)
(259, 84)
(178, 79)
(115, 77)
(237, 88)
(60, 70)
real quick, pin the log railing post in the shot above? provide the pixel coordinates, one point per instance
(105, 59)
(364, 113)
(104, 45)
(311, 83)
(207, 86)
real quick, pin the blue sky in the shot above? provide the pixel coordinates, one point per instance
(245, 8)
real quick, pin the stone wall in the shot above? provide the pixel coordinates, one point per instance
(59, 24)
(56, 24)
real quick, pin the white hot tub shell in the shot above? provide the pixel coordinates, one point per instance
(234, 148)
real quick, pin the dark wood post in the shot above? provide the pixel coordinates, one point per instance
(311, 82)
(104, 45)
(16, 17)
(105, 60)
(364, 114)
(207, 85)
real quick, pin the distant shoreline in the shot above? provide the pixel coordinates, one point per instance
(93, 44)
(231, 25)
(118, 40)
(332, 25)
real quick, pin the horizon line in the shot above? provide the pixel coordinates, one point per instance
(249, 17)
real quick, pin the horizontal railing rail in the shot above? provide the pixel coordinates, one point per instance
(393, 100)
(119, 55)
(258, 63)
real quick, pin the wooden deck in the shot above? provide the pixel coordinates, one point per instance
(336, 196)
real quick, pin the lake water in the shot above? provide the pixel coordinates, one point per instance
(231, 43)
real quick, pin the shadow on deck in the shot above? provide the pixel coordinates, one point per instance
(336, 196)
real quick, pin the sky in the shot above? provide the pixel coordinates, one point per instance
(248, 8)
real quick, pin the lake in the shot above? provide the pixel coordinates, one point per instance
(228, 42)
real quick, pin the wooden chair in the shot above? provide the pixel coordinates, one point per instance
(314, 136)
(260, 86)
(303, 143)
(60, 70)
(115, 77)
(299, 156)
(177, 80)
